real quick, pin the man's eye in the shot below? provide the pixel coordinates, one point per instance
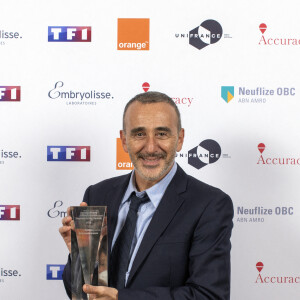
(139, 134)
(162, 134)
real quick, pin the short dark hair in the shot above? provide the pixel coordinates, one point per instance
(153, 97)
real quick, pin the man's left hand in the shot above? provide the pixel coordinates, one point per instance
(100, 292)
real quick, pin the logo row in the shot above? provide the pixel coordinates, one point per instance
(205, 153)
(134, 34)
(246, 94)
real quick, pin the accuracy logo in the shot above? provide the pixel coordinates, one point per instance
(123, 161)
(10, 93)
(69, 33)
(227, 93)
(276, 41)
(274, 279)
(133, 34)
(68, 153)
(275, 160)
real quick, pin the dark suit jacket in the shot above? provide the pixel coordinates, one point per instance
(185, 253)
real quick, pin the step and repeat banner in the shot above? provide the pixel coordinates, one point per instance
(67, 70)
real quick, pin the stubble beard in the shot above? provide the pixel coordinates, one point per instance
(163, 155)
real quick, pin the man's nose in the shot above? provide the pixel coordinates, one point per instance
(151, 144)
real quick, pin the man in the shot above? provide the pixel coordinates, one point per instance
(180, 247)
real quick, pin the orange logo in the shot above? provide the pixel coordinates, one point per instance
(133, 34)
(123, 159)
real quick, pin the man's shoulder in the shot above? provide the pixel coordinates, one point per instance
(110, 182)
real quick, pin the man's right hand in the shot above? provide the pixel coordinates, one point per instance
(65, 230)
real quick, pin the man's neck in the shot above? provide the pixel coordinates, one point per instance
(143, 184)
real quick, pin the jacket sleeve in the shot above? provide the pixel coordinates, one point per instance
(67, 270)
(209, 260)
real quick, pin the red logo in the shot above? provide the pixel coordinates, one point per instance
(261, 147)
(262, 27)
(259, 266)
(146, 86)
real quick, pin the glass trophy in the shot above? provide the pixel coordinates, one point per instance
(88, 248)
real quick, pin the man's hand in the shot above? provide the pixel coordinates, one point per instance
(65, 230)
(100, 292)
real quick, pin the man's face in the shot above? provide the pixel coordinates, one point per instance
(151, 138)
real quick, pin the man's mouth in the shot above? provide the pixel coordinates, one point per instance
(151, 160)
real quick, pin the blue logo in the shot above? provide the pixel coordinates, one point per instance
(54, 272)
(227, 93)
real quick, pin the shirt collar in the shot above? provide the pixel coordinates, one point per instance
(156, 192)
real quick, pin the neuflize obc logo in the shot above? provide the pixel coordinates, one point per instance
(54, 272)
(69, 33)
(10, 93)
(9, 212)
(68, 153)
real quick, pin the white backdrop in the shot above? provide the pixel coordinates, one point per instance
(172, 66)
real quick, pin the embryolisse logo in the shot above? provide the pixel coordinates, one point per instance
(72, 97)
(274, 279)
(282, 161)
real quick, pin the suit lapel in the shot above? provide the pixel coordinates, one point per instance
(163, 215)
(114, 198)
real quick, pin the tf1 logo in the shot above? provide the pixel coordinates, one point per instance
(68, 153)
(54, 272)
(10, 93)
(69, 34)
(9, 212)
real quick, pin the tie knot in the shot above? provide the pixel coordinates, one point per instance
(135, 201)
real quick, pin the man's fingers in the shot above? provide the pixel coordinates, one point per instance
(66, 221)
(64, 229)
(90, 289)
(83, 204)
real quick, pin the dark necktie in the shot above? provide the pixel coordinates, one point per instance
(120, 255)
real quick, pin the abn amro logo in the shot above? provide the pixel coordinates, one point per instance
(227, 93)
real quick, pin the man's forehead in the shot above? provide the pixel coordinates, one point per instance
(153, 109)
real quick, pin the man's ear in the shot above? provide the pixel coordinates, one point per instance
(180, 140)
(123, 139)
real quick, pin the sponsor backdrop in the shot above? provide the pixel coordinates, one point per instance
(67, 70)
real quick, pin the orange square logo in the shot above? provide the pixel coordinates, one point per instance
(133, 34)
(123, 159)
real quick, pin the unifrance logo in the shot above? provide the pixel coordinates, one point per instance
(123, 161)
(146, 86)
(54, 272)
(276, 41)
(9, 212)
(282, 161)
(227, 93)
(133, 34)
(207, 33)
(69, 34)
(275, 279)
(10, 93)
(207, 152)
(68, 153)
(256, 95)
